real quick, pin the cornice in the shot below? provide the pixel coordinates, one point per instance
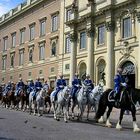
(18, 13)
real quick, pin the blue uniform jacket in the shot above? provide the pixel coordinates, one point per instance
(88, 82)
(38, 85)
(59, 83)
(20, 85)
(118, 79)
(30, 87)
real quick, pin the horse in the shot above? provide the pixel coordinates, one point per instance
(48, 100)
(20, 97)
(93, 98)
(40, 100)
(127, 102)
(62, 103)
(81, 101)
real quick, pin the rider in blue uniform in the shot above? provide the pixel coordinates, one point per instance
(119, 82)
(88, 82)
(8, 87)
(60, 84)
(30, 87)
(76, 85)
(20, 85)
(38, 86)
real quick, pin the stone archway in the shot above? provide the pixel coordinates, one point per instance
(129, 71)
(82, 70)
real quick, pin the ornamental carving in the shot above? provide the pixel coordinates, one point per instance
(73, 37)
(126, 50)
(90, 32)
(74, 6)
(110, 25)
(138, 16)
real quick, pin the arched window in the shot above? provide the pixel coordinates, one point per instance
(82, 71)
(101, 68)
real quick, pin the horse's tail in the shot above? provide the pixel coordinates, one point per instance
(102, 104)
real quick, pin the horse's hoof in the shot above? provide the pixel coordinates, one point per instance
(66, 121)
(101, 120)
(118, 127)
(136, 130)
(58, 119)
(109, 126)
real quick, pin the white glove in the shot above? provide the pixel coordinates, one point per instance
(124, 84)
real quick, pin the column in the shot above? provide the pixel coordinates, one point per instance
(110, 55)
(138, 19)
(73, 61)
(90, 45)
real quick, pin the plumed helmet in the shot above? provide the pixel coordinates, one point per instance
(119, 70)
(88, 76)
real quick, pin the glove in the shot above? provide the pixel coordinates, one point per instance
(124, 84)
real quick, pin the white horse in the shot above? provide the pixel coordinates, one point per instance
(32, 102)
(93, 98)
(40, 100)
(81, 101)
(62, 103)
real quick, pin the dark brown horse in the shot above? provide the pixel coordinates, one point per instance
(21, 97)
(47, 99)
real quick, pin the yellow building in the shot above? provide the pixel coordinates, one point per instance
(91, 36)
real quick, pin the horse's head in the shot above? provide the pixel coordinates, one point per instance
(66, 91)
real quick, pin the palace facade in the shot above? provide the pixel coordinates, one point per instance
(42, 38)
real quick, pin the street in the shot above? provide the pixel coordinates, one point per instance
(17, 125)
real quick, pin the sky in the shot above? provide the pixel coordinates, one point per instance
(7, 5)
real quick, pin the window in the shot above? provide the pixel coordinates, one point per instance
(101, 34)
(29, 74)
(32, 32)
(127, 29)
(31, 55)
(52, 69)
(12, 61)
(67, 45)
(53, 49)
(4, 63)
(5, 40)
(54, 23)
(42, 27)
(21, 58)
(42, 51)
(13, 39)
(67, 66)
(22, 36)
(41, 71)
(82, 40)
(68, 15)
(11, 77)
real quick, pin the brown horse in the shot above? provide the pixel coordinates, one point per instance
(47, 99)
(21, 97)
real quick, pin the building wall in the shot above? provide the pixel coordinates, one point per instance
(43, 9)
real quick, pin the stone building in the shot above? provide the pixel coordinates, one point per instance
(29, 41)
(104, 35)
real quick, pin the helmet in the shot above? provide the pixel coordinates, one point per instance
(76, 74)
(119, 70)
(88, 76)
(37, 78)
(61, 75)
(9, 82)
(20, 79)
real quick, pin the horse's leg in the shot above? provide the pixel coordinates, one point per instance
(135, 126)
(65, 113)
(54, 110)
(118, 126)
(88, 108)
(58, 110)
(72, 110)
(38, 108)
(108, 124)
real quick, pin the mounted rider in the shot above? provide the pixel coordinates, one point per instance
(8, 87)
(38, 86)
(76, 85)
(119, 82)
(30, 86)
(20, 86)
(88, 83)
(46, 86)
(60, 84)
